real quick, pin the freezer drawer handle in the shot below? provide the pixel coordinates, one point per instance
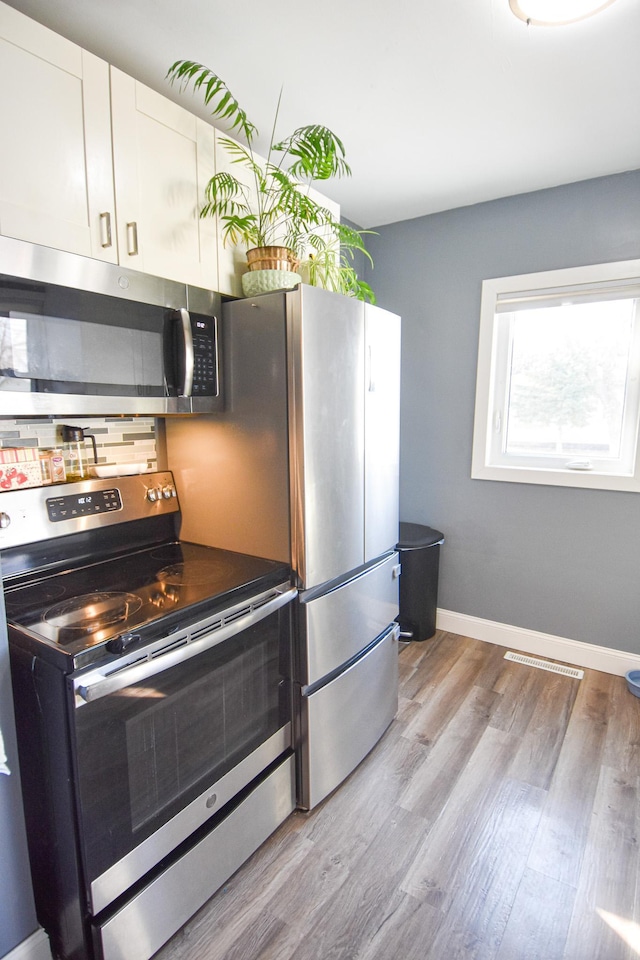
(88, 689)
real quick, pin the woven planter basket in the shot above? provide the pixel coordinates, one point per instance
(271, 258)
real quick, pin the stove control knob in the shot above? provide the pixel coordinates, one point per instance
(152, 494)
(168, 492)
(122, 643)
(5, 520)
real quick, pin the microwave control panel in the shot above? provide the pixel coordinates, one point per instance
(205, 365)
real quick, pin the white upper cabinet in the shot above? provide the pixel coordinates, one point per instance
(100, 165)
(56, 182)
(65, 183)
(163, 156)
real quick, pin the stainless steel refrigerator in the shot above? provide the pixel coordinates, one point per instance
(303, 465)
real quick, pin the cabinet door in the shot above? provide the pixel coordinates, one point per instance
(54, 104)
(163, 157)
(382, 430)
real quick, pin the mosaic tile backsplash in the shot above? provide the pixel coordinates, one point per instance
(118, 439)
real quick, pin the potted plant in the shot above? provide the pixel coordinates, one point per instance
(284, 229)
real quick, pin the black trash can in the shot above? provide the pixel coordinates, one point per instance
(419, 549)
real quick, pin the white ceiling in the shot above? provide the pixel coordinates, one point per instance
(440, 103)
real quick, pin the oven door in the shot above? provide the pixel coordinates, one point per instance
(162, 745)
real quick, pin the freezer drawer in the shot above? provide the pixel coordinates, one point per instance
(337, 624)
(341, 721)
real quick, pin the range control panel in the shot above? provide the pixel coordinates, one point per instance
(42, 513)
(83, 504)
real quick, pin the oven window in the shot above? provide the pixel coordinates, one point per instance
(145, 752)
(178, 741)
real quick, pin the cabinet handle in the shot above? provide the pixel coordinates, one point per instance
(132, 239)
(105, 229)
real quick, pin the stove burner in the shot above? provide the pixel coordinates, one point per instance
(92, 611)
(192, 574)
(40, 593)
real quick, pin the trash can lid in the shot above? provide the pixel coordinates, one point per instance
(414, 535)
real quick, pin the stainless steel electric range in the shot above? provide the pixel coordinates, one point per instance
(152, 681)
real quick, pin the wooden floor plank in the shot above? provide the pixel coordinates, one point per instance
(488, 874)
(553, 697)
(493, 668)
(622, 746)
(352, 916)
(444, 854)
(609, 871)
(405, 932)
(519, 687)
(388, 770)
(430, 786)
(441, 701)
(259, 938)
(445, 653)
(559, 846)
(440, 650)
(539, 920)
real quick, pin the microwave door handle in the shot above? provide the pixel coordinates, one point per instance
(186, 388)
(88, 689)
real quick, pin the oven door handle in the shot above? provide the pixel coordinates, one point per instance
(99, 683)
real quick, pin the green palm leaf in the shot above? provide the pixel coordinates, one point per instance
(227, 108)
(237, 229)
(352, 240)
(319, 152)
(293, 201)
(240, 154)
(224, 194)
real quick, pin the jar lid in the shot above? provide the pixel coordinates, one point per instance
(72, 434)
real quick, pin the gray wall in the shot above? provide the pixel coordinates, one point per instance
(559, 560)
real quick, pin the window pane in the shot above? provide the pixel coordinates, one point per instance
(567, 380)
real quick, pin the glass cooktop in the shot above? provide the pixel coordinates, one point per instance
(80, 609)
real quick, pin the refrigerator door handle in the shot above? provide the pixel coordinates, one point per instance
(396, 571)
(371, 385)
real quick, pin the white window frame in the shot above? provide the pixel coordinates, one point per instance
(486, 463)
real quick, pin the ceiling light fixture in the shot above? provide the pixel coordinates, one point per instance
(555, 13)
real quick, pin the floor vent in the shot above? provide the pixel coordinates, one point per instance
(545, 665)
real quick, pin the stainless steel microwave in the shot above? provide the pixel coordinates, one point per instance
(78, 336)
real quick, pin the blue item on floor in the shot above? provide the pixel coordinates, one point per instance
(633, 682)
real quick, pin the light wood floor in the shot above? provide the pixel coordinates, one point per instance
(497, 819)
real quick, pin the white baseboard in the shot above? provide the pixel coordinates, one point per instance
(574, 652)
(35, 947)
